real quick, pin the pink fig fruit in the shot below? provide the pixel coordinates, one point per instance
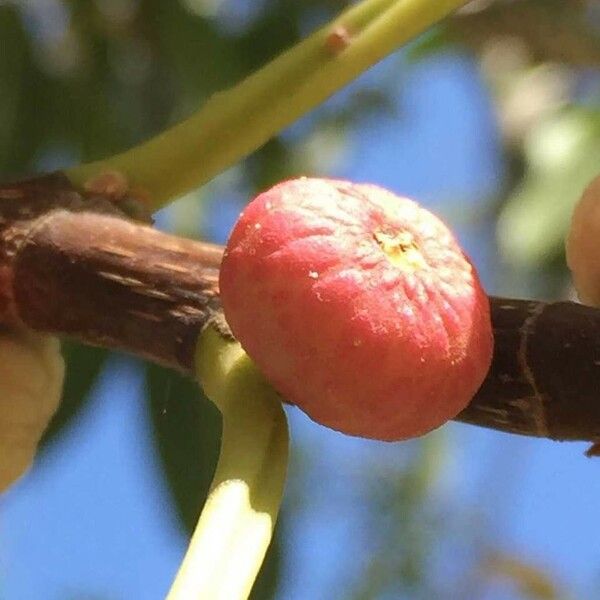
(359, 307)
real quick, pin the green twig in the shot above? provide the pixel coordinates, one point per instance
(236, 122)
(236, 525)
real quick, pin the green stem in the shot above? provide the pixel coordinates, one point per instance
(238, 121)
(236, 524)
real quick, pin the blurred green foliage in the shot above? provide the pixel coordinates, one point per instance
(84, 79)
(561, 157)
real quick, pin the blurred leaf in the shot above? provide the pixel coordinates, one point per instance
(84, 364)
(200, 57)
(531, 581)
(187, 428)
(432, 42)
(552, 30)
(404, 530)
(13, 63)
(20, 84)
(562, 158)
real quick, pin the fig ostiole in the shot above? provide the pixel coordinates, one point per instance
(358, 305)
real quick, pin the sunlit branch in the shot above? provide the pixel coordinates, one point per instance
(237, 121)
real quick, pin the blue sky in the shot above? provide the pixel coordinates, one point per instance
(92, 519)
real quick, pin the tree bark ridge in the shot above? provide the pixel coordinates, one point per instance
(113, 283)
(544, 380)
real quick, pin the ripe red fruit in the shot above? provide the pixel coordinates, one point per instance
(358, 306)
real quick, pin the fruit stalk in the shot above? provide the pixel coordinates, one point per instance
(237, 522)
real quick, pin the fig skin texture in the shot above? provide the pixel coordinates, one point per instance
(359, 307)
(582, 245)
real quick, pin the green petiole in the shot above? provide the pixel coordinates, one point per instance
(237, 522)
(236, 122)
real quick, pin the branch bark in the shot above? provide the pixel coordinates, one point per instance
(73, 265)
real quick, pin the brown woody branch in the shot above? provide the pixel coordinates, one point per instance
(74, 265)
